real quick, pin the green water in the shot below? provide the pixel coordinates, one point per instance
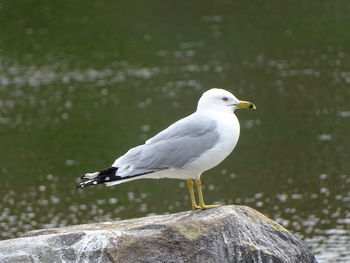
(83, 81)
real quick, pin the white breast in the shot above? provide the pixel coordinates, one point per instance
(228, 128)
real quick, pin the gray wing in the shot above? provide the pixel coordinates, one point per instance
(193, 125)
(175, 147)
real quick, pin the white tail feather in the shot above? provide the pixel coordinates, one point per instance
(121, 181)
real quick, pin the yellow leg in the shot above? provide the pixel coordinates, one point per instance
(193, 199)
(200, 196)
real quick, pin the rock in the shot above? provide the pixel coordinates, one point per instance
(224, 234)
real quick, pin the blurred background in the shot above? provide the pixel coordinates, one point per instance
(83, 81)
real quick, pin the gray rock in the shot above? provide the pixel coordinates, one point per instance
(224, 234)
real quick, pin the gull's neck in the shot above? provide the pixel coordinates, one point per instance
(219, 109)
(215, 113)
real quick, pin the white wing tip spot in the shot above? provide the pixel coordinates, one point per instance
(91, 175)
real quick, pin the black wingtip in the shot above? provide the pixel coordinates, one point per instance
(101, 177)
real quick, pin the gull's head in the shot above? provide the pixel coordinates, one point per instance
(222, 100)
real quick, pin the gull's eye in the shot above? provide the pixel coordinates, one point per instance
(225, 99)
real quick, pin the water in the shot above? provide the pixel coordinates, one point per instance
(83, 81)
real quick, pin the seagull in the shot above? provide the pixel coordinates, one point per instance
(184, 150)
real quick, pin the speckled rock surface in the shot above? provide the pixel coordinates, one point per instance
(224, 234)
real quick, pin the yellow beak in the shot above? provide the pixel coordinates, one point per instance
(245, 105)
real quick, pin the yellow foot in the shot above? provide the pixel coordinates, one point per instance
(196, 207)
(208, 206)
